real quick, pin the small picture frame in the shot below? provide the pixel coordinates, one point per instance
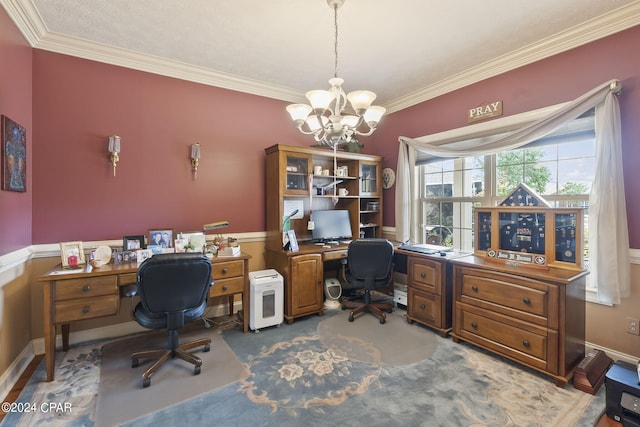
(71, 254)
(290, 241)
(143, 255)
(162, 237)
(132, 243)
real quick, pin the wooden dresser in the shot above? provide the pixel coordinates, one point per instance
(535, 317)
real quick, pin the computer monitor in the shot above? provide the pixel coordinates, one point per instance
(331, 225)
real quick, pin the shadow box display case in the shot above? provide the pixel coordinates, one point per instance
(524, 230)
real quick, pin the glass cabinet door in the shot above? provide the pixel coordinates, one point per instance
(297, 174)
(370, 179)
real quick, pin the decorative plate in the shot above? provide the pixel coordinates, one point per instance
(102, 256)
(388, 178)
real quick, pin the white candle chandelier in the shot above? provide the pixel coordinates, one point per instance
(324, 118)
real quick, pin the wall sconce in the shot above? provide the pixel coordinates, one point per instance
(114, 149)
(195, 159)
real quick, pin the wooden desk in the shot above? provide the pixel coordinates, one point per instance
(303, 273)
(71, 296)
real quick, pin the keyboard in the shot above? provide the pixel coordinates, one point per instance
(424, 248)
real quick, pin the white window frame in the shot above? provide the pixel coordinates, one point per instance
(485, 129)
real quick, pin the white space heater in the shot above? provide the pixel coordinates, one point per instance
(266, 299)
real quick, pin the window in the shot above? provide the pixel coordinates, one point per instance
(559, 167)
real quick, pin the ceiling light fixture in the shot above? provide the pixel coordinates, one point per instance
(324, 119)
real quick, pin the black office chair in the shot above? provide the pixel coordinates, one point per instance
(369, 265)
(173, 290)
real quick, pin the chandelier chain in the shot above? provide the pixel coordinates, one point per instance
(335, 45)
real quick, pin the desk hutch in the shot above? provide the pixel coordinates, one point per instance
(292, 181)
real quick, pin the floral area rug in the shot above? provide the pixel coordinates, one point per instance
(68, 400)
(298, 377)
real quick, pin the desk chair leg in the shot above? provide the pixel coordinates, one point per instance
(165, 354)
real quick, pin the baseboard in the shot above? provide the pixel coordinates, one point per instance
(13, 372)
(615, 355)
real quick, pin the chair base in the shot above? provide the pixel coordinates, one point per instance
(163, 355)
(367, 306)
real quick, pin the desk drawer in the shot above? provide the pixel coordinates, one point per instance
(86, 287)
(512, 295)
(511, 339)
(86, 308)
(424, 307)
(227, 287)
(223, 270)
(331, 255)
(425, 274)
(127, 279)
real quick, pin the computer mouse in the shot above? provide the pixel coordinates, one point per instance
(443, 253)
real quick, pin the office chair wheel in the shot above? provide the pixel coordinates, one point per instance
(206, 348)
(135, 363)
(146, 382)
(196, 370)
(382, 320)
(351, 317)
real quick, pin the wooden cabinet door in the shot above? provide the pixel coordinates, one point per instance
(306, 282)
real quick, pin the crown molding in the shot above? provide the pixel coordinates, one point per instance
(605, 25)
(26, 17)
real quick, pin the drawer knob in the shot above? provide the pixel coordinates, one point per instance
(225, 270)
(526, 300)
(474, 288)
(86, 309)
(225, 287)
(526, 343)
(474, 325)
(86, 288)
(423, 275)
(422, 306)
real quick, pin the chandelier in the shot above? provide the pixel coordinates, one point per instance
(324, 118)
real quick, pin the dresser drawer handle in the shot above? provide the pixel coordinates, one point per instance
(474, 288)
(526, 343)
(225, 287)
(86, 309)
(423, 275)
(225, 270)
(86, 288)
(474, 325)
(526, 300)
(422, 306)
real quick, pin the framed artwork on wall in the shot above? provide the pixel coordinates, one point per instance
(14, 156)
(162, 237)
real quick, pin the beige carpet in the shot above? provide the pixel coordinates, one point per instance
(397, 342)
(121, 396)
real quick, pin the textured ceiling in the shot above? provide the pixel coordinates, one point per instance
(404, 50)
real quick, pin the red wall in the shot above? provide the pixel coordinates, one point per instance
(551, 81)
(79, 103)
(15, 102)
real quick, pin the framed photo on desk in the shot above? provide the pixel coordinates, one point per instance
(290, 242)
(162, 237)
(132, 243)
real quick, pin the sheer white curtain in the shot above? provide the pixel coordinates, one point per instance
(608, 234)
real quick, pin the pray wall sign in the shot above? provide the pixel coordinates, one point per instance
(493, 109)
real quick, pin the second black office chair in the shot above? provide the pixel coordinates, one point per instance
(369, 265)
(173, 290)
